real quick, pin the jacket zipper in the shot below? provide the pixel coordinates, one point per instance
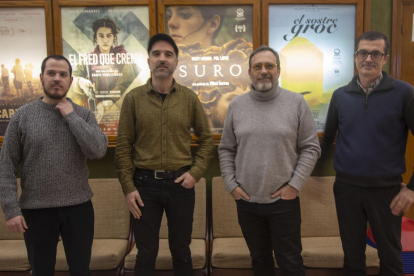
(366, 101)
(366, 98)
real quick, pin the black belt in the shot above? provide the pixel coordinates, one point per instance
(160, 174)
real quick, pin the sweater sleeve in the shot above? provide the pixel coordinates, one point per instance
(308, 146)
(227, 152)
(90, 138)
(205, 141)
(409, 119)
(10, 158)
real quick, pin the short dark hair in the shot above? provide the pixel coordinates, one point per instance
(56, 57)
(373, 35)
(164, 37)
(261, 49)
(105, 23)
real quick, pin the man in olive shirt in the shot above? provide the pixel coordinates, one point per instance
(154, 162)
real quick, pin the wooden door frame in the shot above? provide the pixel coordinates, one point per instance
(396, 39)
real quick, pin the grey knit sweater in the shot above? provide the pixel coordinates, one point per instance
(52, 151)
(269, 139)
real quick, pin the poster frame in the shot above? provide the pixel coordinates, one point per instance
(57, 19)
(362, 23)
(46, 4)
(256, 24)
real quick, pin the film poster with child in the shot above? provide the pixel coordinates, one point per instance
(106, 47)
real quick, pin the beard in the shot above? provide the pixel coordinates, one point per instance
(264, 86)
(164, 73)
(54, 96)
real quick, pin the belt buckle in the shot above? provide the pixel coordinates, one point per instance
(155, 174)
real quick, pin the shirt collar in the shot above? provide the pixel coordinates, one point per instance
(150, 88)
(372, 86)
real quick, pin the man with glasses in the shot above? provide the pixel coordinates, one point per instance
(267, 152)
(372, 116)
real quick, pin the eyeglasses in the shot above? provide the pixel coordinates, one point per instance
(268, 66)
(376, 55)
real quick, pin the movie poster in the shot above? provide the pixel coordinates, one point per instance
(107, 49)
(23, 48)
(316, 46)
(215, 43)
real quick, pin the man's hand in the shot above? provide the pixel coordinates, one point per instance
(65, 107)
(84, 85)
(16, 224)
(188, 180)
(402, 201)
(131, 200)
(238, 193)
(287, 192)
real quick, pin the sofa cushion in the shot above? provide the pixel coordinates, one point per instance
(106, 254)
(199, 223)
(322, 252)
(327, 252)
(231, 253)
(13, 256)
(112, 218)
(225, 222)
(109, 205)
(318, 208)
(164, 260)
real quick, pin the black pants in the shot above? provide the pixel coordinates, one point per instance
(74, 223)
(274, 226)
(355, 206)
(178, 202)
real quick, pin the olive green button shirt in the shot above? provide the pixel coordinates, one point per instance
(155, 134)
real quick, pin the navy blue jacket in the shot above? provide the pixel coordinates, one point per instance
(372, 132)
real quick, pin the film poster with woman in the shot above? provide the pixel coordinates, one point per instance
(106, 47)
(23, 48)
(215, 43)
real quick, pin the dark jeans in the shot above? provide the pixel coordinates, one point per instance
(178, 202)
(74, 223)
(355, 206)
(274, 226)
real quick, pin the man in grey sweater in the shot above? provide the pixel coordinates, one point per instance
(51, 138)
(267, 152)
